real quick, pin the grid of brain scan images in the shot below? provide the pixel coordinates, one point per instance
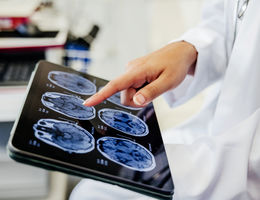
(109, 137)
(72, 138)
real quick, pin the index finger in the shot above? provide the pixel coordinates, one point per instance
(122, 82)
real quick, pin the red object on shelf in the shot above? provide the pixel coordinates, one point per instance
(7, 23)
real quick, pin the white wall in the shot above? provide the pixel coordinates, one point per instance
(129, 28)
(171, 18)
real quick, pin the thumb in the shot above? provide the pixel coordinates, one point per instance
(151, 91)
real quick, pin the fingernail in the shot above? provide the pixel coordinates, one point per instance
(139, 99)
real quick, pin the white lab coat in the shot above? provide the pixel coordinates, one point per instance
(216, 154)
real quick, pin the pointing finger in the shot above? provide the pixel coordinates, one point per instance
(121, 83)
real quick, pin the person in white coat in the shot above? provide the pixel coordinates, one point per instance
(216, 154)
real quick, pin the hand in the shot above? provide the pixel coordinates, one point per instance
(150, 76)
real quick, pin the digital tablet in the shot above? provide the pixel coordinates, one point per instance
(109, 142)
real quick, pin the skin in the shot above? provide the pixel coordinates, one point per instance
(149, 76)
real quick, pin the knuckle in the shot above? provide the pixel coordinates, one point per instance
(99, 95)
(111, 84)
(126, 97)
(129, 65)
(125, 102)
(114, 85)
(133, 64)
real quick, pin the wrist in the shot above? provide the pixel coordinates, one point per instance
(191, 56)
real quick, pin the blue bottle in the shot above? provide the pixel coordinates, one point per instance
(77, 50)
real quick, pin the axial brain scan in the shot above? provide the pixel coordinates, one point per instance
(123, 121)
(126, 153)
(64, 135)
(72, 82)
(68, 105)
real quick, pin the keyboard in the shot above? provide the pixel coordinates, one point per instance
(16, 68)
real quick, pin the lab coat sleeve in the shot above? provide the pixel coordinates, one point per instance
(209, 40)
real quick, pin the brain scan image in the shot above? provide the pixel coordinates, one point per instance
(123, 121)
(64, 135)
(126, 153)
(68, 105)
(116, 100)
(72, 82)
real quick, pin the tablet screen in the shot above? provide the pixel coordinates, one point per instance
(113, 139)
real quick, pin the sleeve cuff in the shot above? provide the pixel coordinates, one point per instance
(210, 66)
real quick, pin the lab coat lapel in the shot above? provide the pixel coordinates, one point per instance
(230, 14)
(241, 96)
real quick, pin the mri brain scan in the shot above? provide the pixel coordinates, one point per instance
(126, 153)
(68, 105)
(116, 100)
(72, 82)
(123, 121)
(63, 135)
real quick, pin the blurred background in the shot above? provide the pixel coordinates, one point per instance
(97, 37)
